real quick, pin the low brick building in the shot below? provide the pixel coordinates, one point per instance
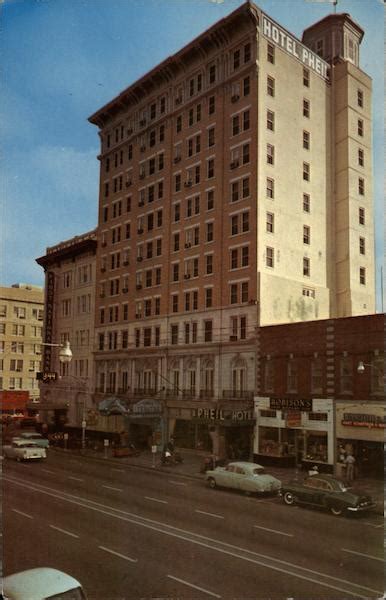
(320, 390)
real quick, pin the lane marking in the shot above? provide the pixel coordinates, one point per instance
(133, 560)
(362, 554)
(256, 558)
(109, 487)
(156, 500)
(48, 471)
(20, 512)
(118, 470)
(274, 531)
(203, 512)
(75, 478)
(374, 525)
(196, 587)
(64, 531)
(177, 482)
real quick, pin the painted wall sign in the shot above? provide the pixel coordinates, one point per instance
(292, 46)
(290, 404)
(363, 420)
(293, 418)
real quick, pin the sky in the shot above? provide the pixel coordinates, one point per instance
(62, 60)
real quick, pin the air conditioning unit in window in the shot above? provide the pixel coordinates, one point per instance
(188, 245)
(234, 164)
(139, 258)
(187, 276)
(235, 97)
(138, 286)
(125, 263)
(188, 183)
(233, 338)
(139, 231)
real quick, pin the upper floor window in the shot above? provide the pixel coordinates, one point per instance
(360, 98)
(306, 77)
(306, 108)
(360, 128)
(270, 86)
(271, 53)
(212, 74)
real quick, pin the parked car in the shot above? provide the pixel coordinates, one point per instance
(246, 476)
(20, 449)
(327, 492)
(32, 436)
(42, 583)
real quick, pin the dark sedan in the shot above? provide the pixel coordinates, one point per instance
(324, 491)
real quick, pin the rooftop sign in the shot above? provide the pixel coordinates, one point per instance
(292, 46)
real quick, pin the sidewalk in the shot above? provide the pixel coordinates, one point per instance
(192, 461)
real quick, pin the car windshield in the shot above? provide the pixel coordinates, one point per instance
(74, 594)
(258, 471)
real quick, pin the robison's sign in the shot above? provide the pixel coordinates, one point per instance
(292, 46)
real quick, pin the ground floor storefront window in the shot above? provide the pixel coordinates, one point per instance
(316, 446)
(369, 456)
(238, 442)
(276, 441)
(191, 435)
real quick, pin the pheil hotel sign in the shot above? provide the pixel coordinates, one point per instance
(292, 46)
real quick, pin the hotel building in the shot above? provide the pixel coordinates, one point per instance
(235, 192)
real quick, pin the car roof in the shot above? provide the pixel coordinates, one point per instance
(245, 464)
(23, 442)
(37, 584)
(30, 434)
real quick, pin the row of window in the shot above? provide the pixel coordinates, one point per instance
(19, 383)
(83, 305)
(83, 276)
(21, 330)
(21, 312)
(20, 347)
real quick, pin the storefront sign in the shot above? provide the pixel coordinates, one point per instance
(290, 404)
(293, 418)
(292, 46)
(48, 316)
(363, 420)
(146, 408)
(220, 414)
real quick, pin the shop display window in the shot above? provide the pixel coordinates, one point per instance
(274, 441)
(316, 446)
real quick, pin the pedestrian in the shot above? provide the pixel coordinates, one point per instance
(350, 463)
(170, 445)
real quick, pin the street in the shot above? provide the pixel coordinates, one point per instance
(126, 532)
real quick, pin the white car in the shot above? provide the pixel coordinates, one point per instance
(248, 477)
(20, 449)
(32, 436)
(40, 584)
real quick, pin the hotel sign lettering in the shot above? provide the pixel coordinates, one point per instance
(220, 414)
(292, 46)
(290, 404)
(49, 314)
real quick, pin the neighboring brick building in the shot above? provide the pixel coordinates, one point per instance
(312, 398)
(235, 191)
(21, 324)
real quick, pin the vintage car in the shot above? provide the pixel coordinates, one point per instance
(327, 492)
(20, 449)
(40, 584)
(245, 476)
(32, 436)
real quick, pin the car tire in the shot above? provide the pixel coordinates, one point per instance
(212, 483)
(335, 510)
(289, 498)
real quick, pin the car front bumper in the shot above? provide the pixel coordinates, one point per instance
(361, 508)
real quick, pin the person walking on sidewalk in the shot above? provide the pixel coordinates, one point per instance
(350, 463)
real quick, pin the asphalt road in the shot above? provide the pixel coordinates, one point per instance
(128, 533)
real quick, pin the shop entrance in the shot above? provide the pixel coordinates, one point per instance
(141, 435)
(238, 442)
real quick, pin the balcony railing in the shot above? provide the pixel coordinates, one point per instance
(238, 394)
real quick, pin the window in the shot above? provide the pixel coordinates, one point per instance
(270, 257)
(246, 86)
(245, 154)
(19, 312)
(306, 267)
(270, 224)
(361, 186)
(270, 188)
(270, 120)
(346, 374)
(209, 264)
(271, 53)
(244, 291)
(176, 272)
(306, 77)
(211, 139)
(212, 74)
(245, 256)
(362, 275)
(233, 293)
(361, 157)
(269, 380)
(211, 105)
(292, 376)
(360, 98)
(306, 140)
(306, 108)
(236, 59)
(360, 128)
(362, 245)
(317, 376)
(174, 334)
(235, 125)
(177, 212)
(209, 232)
(175, 303)
(208, 331)
(270, 86)
(209, 297)
(270, 154)
(234, 258)
(247, 52)
(361, 216)
(306, 171)
(210, 168)
(306, 234)
(178, 124)
(306, 203)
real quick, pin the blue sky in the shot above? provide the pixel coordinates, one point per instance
(64, 59)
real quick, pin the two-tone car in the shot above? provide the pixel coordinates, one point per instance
(248, 477)
(20, 449)
(326, 492)
(32, 436)
(42, 583)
